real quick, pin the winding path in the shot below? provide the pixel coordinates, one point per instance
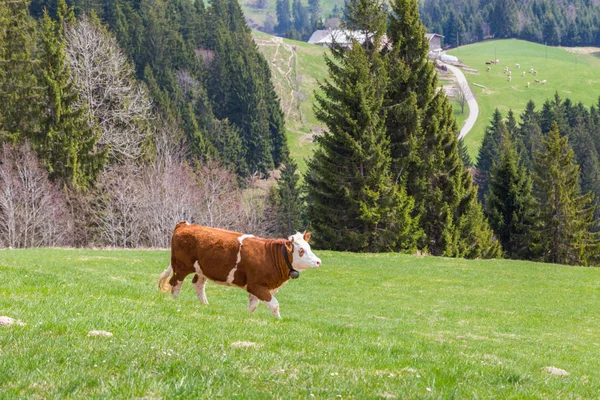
(473, 106)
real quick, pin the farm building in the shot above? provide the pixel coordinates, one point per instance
(326, 37)
(435, 42)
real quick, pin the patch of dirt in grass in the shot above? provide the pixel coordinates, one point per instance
(245, 345)
(556, 371)
(488, 92)
(8, 321)
(100, 333)
(594, 51)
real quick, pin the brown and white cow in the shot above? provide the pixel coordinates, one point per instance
(260, 266)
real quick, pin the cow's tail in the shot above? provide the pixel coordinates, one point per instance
(163, 280)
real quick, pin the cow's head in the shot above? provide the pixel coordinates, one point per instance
(303, 258)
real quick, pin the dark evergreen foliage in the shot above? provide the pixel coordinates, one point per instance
(565, 217)
(567, 23)
(67, 141)
(424, 145)
(509, 203)
(352, 203)
(489, 151)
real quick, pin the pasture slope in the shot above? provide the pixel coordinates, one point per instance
(361, 326)
(574, 76)
(295, 67)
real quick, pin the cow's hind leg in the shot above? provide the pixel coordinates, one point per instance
(199, 283)
(265, 296)
(176, 282)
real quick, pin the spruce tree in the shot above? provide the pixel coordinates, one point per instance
(352, 203)
(562, 233)
(509, 203)
(287, 206)
(68, 140)
(529, 139)
(588, 161)
(284, 18)
(20, 109)
(425, 151)
(489, 151)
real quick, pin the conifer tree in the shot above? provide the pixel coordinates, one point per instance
(352, 203)
(464, 154)
(529, 138)
(67, 143)
(562, 234)
(287, 206)
(284, 17)
(509, 203)
(425, 153)
(18, 94)
(588, 161)
(489, 151)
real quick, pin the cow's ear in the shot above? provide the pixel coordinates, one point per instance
(289, 246)
(306, 236)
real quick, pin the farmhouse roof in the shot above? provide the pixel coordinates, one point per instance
(430, 36)
(326, 37)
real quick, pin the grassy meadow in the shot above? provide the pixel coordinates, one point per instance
(574, 76)
(361, 326)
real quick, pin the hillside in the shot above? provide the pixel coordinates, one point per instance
(572, 75)
(295, 68)
(360, 326)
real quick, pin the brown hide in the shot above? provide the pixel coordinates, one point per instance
(261, 269)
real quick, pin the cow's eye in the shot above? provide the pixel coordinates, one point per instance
(301, 252)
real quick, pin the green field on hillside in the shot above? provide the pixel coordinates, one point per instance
(361, 326)
(574, 76)
(295, 67)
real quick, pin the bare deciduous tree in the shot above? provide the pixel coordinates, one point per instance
(463, 95)
(33, 211)
(119, 104)
(118, 207)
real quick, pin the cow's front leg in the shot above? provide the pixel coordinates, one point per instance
(273, 306)
(252, 302)
(199, 283)
(265, 296)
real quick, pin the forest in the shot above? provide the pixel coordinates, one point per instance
(564, 22)
(105, 104)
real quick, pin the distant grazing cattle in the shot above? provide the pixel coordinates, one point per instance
(531, 71)
(536, 81)
(497, 61)
(489, 62)
(509, 78)
(523, 73)
(543, 82)
(517, 66)
(489, 69)
(528, 84)
(260, 266)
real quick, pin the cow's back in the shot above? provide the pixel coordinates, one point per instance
(215, 250)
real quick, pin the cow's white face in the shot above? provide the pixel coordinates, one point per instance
(303, 258)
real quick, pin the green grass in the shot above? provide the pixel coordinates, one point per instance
(296, 68)
(573, 76)
(361, 326)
